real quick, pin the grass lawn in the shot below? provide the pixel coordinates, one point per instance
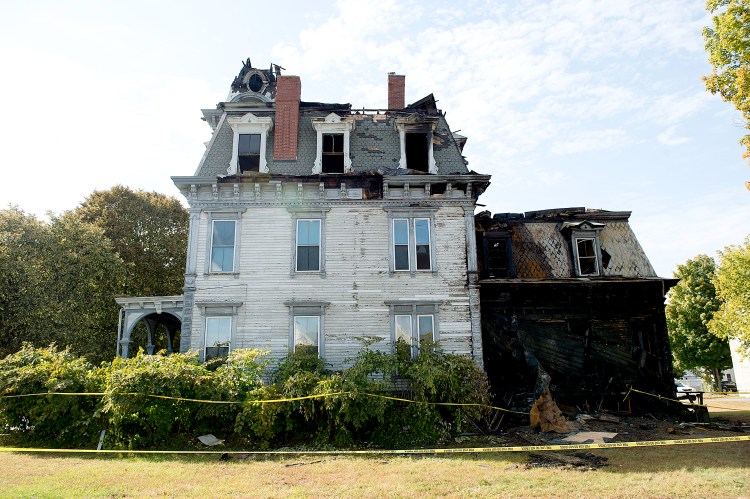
(706, 470)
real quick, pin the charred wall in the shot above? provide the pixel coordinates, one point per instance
(592, 337)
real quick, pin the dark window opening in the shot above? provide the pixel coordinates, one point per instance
(248, 152)
(497, 257)
(333, 153)
(606, 257)
(417, 151)
(255, 83)
(217, 352)
(587, 257)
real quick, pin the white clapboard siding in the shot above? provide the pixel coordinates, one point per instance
(356, 283)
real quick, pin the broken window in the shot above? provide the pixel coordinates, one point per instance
(248, 152)
(222, 245)
(587, 259)
(417, 151)
(333, 153)
(497, 257)
(308, 245)
(306, 333)
(412, 237)
(218, 337)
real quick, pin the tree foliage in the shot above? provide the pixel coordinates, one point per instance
(728, 47)
(692, 305)
(733, 289)
(149, 232)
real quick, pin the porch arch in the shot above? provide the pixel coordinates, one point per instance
(154, 311)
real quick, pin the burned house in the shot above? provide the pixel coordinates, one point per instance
(570, 294)
(317, 226)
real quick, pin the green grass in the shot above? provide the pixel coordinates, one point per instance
(715, 470)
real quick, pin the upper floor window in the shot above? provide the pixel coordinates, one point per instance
(333, 153)
(497, 256)
(250, 134)
(415, 135)
(222, 245)
(248, 152)
(308, 245)
(587, 251)
(411, 240)
(333, 133)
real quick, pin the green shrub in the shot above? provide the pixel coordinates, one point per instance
(53, 420)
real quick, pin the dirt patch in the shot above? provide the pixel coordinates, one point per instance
(579, 461)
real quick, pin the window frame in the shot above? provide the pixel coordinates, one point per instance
(412, 216)
(587, 231)
(223, 216)
(218, 310)
(414, 310)
(489, 238)
(332, 124)
(308, 214)
(298, 245)
(249, 124)
(295, 342)
(417, 124)
(240, 155)
(228, 343)
(307, 309)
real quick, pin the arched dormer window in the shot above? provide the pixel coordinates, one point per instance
(332, 154)
(250, 134)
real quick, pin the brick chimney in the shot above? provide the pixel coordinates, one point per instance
(396, 91)
(288, 91)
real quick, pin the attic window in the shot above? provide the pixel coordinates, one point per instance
(333, 153)
(417, 152)
(497, 257)
(588, 263)
(248, 152)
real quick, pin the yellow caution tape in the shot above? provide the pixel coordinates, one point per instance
(661, 397)
(266, 401)
(459, 450)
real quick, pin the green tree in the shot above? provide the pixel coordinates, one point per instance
(728, 47)
(733, 289)
(57, 284)
(691, 306)
(149, 232)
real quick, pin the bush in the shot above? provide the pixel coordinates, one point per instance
(53, 420)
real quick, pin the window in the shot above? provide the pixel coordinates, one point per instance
(587, 260)
(248, 151)
(249, 143)
(412, 244)
(333, 153)
(497, 256)
(333, 134)
(306, 327)
(306, 333)
(415, 136)
(308, 246)
(222, 245)
(308, 240)
(218, 337)
(413, 323)
(417, 151)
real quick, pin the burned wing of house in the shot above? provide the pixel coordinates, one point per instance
(314, 226)
(570, 294)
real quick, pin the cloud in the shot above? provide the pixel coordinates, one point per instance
(669, 138)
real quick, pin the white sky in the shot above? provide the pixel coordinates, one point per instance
(565, 103)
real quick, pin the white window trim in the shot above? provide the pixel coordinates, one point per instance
(416, 309)
(332, 124)
(217, 309)
(205, 332)
(411, 215)
(297, 246)
(593, 237)
(403, 126)
(308, 309)
(249, 124)
(309, 214)
(219, 216)
(317, 333)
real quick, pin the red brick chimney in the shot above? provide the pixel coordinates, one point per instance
(288, 91)
(396, 91)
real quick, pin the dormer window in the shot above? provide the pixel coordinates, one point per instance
(248, 152)
(249, 143)
(333, 144)
(587, 252)
(333, 153)
(415, 135)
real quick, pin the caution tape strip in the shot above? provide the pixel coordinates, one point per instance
(266, 401)
(661, 397)
(459, 450)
